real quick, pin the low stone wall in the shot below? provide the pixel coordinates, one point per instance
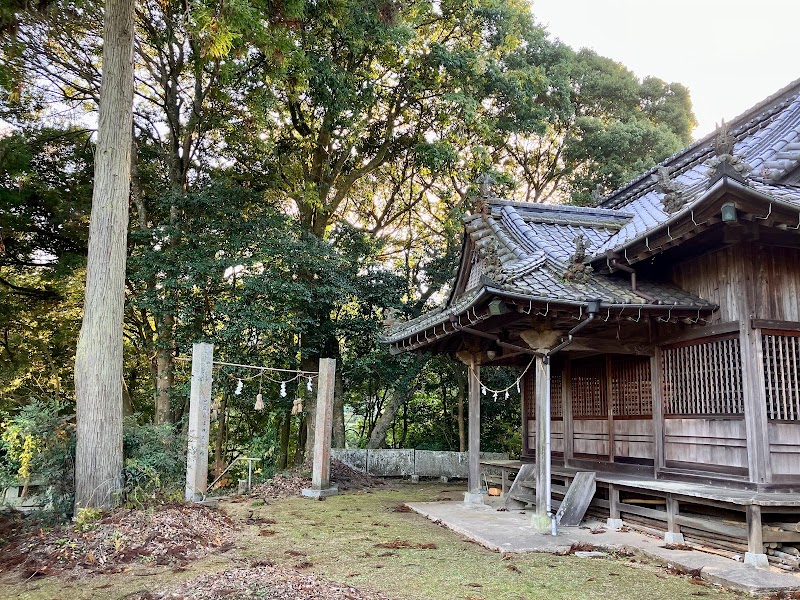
(404, 463)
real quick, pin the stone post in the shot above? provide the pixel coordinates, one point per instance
(199, 422)
(321, 474)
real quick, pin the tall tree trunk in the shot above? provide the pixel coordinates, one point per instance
(98, 360)
(301, 442)
(377, 438)
(310, 410)
(219, 442)
(164, 367)
(285, 430)
(338, 436)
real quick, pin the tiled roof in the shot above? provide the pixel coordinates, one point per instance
(529, 250)
(767, 139)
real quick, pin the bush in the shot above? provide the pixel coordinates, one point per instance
(155, 464)
(39, 444)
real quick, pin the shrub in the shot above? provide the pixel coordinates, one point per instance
(155, 464)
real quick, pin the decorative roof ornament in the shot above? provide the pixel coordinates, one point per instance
(725, 163)
(390, 320)
(492, 265)
(486, 183)
(597, 194)
(674, 193)
(577, 271)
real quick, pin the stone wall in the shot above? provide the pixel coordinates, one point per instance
(404, 463)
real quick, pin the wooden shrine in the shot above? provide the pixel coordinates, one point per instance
(663, 326)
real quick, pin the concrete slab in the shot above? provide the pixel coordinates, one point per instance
(511, 532)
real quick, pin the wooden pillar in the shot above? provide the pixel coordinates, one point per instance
(755, 404)
(321, 473)
(473, 495)
(199, 422)
(543, 457)
(566, 395)
(610, 408)
(658, 412)
(755, 554)
(673, 534)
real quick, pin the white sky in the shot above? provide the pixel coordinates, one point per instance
(731, 54)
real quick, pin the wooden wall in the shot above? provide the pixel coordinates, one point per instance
(770, 274)
(633, 438)
(710, 444)
(590, 438)
(784, 446)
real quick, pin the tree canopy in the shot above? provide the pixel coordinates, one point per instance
(298, 169)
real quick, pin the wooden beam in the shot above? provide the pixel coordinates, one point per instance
(542, 383)
(595, 344)
(697, 333)
(566, 407)
(474, 433)
(658, 411)
(775, 325)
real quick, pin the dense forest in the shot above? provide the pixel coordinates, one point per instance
(299, 171)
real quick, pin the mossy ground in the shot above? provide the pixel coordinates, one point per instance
(337, 539)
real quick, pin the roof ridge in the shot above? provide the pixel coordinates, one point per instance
(692, 153)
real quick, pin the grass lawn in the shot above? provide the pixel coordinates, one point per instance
(338, 539)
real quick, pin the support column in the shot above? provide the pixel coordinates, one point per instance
(473, 495)
(321, 474)
(755, 554)
(566, 407)
(673, 534)
(755, 403)
(614, 520)
(199, 422)
(658, 412)
(542, 385)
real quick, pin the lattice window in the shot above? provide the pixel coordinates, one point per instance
(529, 389)
(556, 399)
(589, 389)
(704, 378)
(631, 390)
(781, 376)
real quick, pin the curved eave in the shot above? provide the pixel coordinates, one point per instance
(417, 338)
(692, 220)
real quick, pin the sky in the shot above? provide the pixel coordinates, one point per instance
(729, 53)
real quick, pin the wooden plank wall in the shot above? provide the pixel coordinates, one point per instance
(633, 438)
(706, 444)
(784, 446)
(590, 438)
(719, 276)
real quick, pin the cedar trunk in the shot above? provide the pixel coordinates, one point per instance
(98, 362)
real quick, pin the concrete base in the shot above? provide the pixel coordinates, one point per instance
(673, 538)
(322, 493)
(756, 560)
(615, 524)
(510, 532)
(415, 479)
(473, 498)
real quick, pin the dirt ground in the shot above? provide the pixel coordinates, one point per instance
(362, 544)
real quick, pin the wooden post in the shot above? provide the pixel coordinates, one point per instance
(473, 495)
(199, 422)
(755, 404)
(321, 474)
(658, 412)
(755, 554)
(614, 520)
(673, 534)
(542, 385)
(566, 407)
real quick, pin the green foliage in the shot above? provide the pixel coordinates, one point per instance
(40, 447)
(155, 464)
(87, 518)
